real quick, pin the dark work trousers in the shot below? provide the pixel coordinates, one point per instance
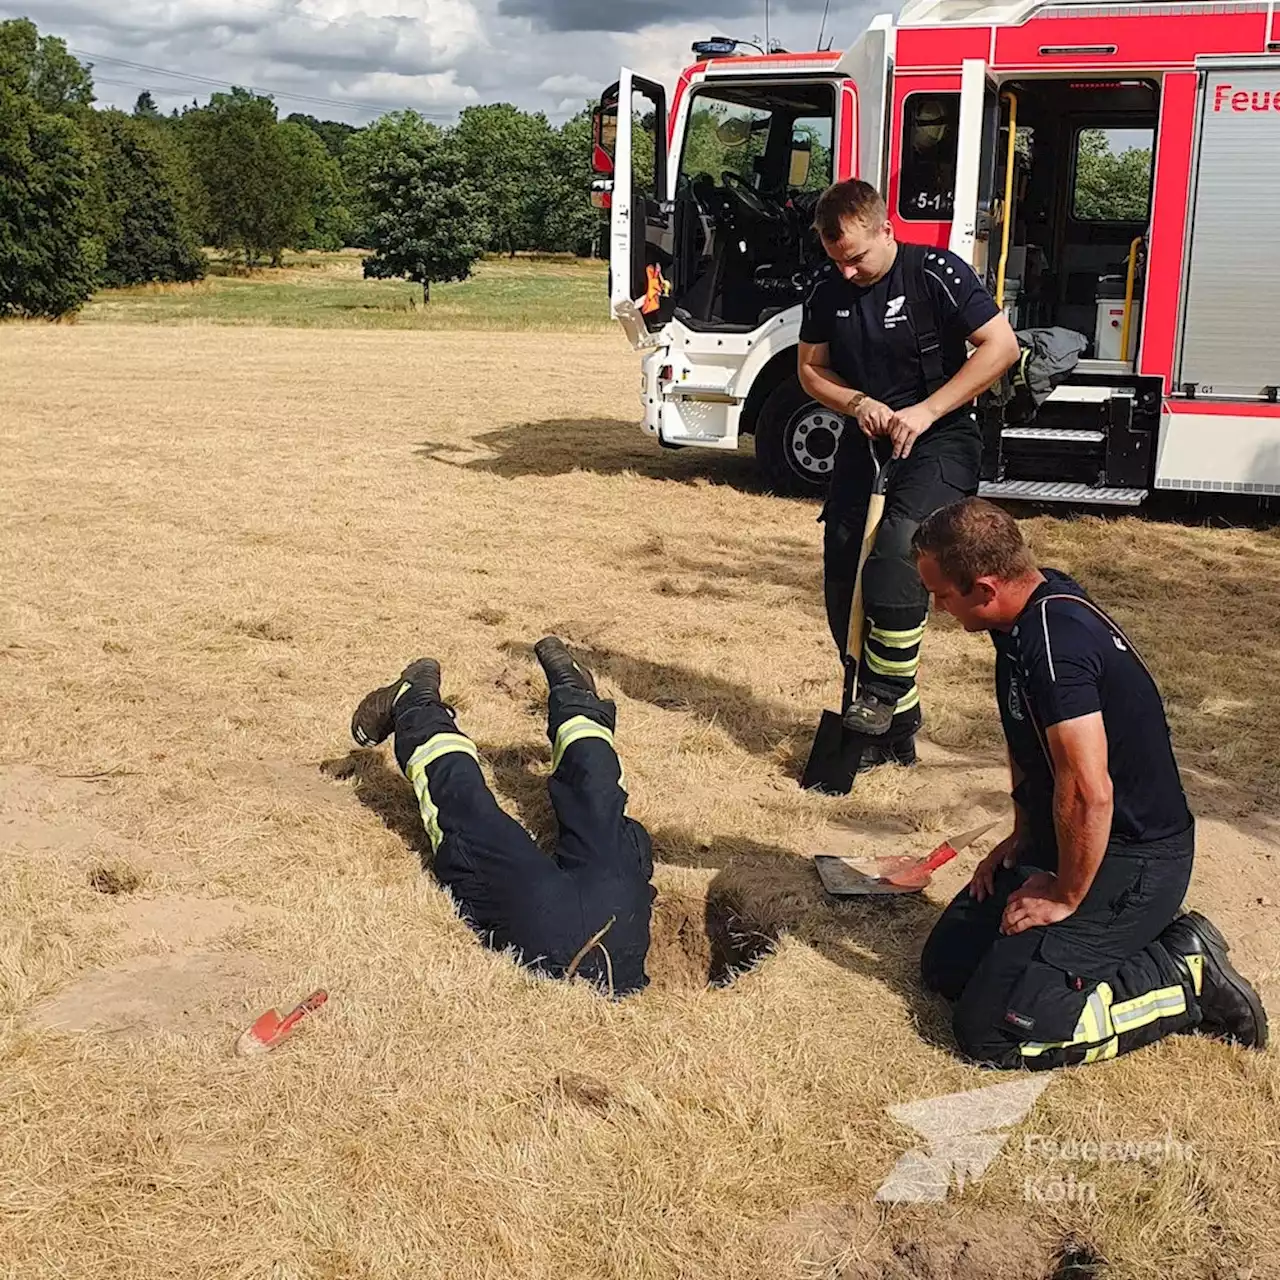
(1092, 986)
(546, 908)
(940, 469)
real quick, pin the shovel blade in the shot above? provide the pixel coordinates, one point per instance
(834, 757)
(849, 877)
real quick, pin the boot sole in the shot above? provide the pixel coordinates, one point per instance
(1217, 948)
(577, 677)
(358, 733)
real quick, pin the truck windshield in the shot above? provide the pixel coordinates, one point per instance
(775, 138)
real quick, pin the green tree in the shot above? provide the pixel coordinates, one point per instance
(507, 153)
(58, 81)
(422, 210)
(148, 231)
(49, 253)
(335, 134)
(268, 185)
(1110, 186)
(564, 220)
(145, 106)
(321, 219)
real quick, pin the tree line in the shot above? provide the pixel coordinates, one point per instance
(95, 197)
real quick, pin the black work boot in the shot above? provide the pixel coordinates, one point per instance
(898, 746)
(869, 714)
(374, 718)
(562, 670)
(1231, 1009)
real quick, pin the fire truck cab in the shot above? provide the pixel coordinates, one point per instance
(1109, 168)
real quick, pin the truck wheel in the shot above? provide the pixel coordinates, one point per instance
(796, 440)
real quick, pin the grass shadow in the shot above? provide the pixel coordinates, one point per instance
(602, 446)
(759, 727)
(386, 792)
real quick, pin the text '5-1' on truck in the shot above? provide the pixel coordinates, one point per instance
(1112, 169)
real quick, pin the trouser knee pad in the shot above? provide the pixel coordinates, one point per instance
(891, 586)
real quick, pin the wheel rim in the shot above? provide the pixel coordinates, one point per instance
(813, 435)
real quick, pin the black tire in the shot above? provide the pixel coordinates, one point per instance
(796, 440)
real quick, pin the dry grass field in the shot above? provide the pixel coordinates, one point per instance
(216, 538)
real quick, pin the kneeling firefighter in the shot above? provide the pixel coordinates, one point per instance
(1069, 945)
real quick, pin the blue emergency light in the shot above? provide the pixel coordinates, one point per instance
(716, 47)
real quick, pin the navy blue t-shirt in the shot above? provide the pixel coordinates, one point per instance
(1063, 660)
(871, 337)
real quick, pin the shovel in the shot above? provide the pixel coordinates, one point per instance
(837, 752)
(271, 1029)
(850, 877)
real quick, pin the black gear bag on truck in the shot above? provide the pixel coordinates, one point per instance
(1047, 358)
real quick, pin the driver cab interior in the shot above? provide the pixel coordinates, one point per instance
(755, 159)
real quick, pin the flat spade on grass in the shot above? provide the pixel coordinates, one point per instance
(861, 876)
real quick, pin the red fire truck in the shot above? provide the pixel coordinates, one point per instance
(1110, 168)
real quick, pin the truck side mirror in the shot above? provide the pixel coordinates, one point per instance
(604, 137)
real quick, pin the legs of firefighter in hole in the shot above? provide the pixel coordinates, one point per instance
(584, 910)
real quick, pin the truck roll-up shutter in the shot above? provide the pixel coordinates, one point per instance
(1231, 310)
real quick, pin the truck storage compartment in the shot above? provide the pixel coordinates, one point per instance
(1230, 337)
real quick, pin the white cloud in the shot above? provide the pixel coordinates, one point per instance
(576, 86)
(438, 55)
(439, 89)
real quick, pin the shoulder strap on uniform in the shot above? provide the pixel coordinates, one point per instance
(1107, 619)
(1115, 629)
(924, 319)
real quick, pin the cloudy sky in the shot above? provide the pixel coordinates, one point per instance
(356, 58)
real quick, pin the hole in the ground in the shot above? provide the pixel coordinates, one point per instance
(1077, 1261)
(698, 942)
(114, 879)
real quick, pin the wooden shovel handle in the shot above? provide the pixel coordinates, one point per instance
(857, 611)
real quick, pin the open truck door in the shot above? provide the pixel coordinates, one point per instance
(977, 215)
(867, 68)
(630, 141)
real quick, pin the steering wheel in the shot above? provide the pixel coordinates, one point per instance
(742, 193)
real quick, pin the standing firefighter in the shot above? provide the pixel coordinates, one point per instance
(883, 342)
(585, 910)
(1067, 946)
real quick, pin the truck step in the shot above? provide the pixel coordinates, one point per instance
(1056, 491)
(1070, 393)
(699, 390)
(1054, 435)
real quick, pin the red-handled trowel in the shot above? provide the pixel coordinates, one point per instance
(846, 877)
(271, 1029)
